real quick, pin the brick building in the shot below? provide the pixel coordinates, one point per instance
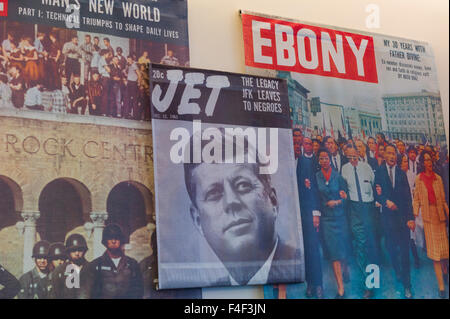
(63, 174)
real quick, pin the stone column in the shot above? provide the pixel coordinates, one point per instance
(29, 238)
(98, 219)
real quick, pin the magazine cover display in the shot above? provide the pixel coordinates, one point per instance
(371, 154)
(76, 173)
(227, 209)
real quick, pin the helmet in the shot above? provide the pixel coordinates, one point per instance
(113, 231)
(57, 251)
(40, 249)
(76, 241)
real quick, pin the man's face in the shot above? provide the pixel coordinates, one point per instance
(170, 53)
(361, 149)
(401, 147)
(76, 80)
(41, 263)
(57, 262)
(379, 139)
(96, 41)
(404, 164)
(234, 211)
(87, 39)
(106, 43)
(316, 147)
(76, 255)
(113, 244)
(331, 145)
(307, 146)
(390, 155)
(412, 155)
(75, 41)
(298, 138)
(352, 155)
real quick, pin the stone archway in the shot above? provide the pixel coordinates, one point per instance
(130, 204)
(11, 202)
(11, 205)
(64, 204)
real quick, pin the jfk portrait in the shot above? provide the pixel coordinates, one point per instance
(235, 209)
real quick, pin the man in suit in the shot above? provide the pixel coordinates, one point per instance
(309, 210)
(297, 135)
(412, 160)
(235, 208)
(401, 147)
(363, 155)
(337, 159)
(372, 144)
(394, 195)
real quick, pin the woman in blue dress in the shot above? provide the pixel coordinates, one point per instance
(333, 223)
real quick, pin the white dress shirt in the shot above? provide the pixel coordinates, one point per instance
(262, 275)
(393, 174)
(338, 161)
(366, 179)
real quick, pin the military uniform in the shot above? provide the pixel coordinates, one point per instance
(11, 285)
(33, 285)
(106, 281)
(58, 288)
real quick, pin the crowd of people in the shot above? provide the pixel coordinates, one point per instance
(364, 196)
(87, 78)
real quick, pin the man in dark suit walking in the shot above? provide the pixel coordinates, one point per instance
(364, 156)
(309, 210)
(337, 159)
(393, 193)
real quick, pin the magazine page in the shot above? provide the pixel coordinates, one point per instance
(225, 189)
(76, 172)
(365, 108)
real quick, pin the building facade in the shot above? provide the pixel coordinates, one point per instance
(298, 101)
(64, 174)
(413, 116)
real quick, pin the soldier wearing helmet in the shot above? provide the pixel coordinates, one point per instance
(33, 284)
(112, 275)
(75, 250)
(57, 255)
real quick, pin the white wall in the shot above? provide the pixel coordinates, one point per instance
(216, 42)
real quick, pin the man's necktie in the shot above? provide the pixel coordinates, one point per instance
(335, 163)
(414, 167)
(391, 177)
(358, 186)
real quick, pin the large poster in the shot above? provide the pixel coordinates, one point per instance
(226, 197)
(76, 172)
(368, 106)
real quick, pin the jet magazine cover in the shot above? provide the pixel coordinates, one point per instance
(225, 183)
(372, 159)
(76, 173)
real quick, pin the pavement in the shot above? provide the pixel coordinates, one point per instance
(423, 282)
